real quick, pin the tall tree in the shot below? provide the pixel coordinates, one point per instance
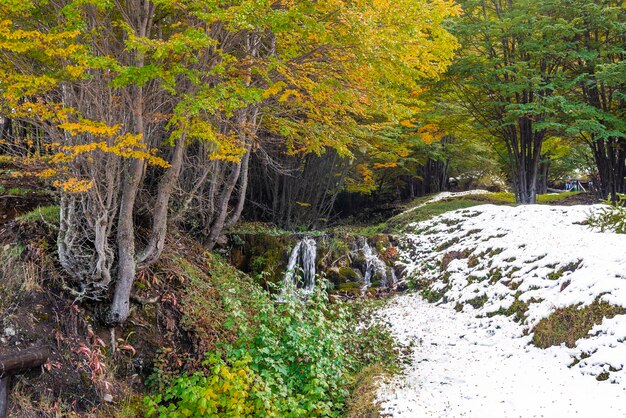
(594, 107)
(509, 69)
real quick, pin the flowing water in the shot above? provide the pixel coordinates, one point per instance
(374, 267)
(300, 272)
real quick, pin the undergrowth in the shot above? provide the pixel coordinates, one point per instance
(286, 358)
(611, 218)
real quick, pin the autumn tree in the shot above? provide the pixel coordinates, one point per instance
(151, 109)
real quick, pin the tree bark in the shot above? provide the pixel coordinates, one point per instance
(4, 395)
(127, 266)
(222, 207)
(23, 360)
(243, 187)
(153, 250)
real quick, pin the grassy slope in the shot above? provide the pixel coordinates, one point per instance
(190, 303)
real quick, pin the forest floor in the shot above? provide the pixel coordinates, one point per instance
(521, 311)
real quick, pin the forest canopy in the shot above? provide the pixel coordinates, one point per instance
(156, 108)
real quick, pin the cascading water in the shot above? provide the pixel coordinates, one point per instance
(300, 272)
(374, 266)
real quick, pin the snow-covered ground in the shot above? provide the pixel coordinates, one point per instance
(475, 363)
(446, 195)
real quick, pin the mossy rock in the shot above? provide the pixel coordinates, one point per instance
(348, 286)
(261, 253)
(341, 275)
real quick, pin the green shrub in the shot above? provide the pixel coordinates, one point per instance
(296, 360)
(229, 390)
(611, 218)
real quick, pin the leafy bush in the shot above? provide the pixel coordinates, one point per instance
(229, 390)
(298, 359)
(610, 218)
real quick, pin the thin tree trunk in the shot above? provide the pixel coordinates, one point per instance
(153, 250)
(127, 266)
(4, 395)
(222, 207)
(243, 187)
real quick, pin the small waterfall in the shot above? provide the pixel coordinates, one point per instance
(301, 267)
(373, 266)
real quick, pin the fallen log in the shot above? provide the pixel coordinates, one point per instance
(11, 364)
(4, 396)
(23, 360)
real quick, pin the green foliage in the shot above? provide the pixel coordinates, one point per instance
(478, 301)
(290, 358)
(47, 214)
(15, 191)
(517, 309)
(228, 390)
(610, 218)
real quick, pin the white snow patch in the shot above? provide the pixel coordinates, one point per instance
(444, 196)
(468, 367)
(469, 364)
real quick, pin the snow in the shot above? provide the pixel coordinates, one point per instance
(446, 195)
(478, 363)
(468, 367)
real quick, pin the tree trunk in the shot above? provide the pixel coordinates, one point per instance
(222, 207)
(243, 187)
(610, 157)
(127, 265)
(15, 363)
(524, 147)
(544, 169)
(23, 360)
(153, 250)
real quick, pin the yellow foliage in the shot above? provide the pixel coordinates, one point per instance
(385, 165)
(430, 133)
(74, 185)
(96, 129)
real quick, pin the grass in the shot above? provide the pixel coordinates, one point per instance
(16, 275)
(14, 191)
(478, 301)
(517, 308)
(567, 325)
(258, 228)
(49, 214)
(362, 403)
(429, 211)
